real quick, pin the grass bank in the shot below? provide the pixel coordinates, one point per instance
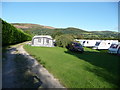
(92, 69)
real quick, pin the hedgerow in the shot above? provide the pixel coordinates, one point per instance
(12, 35)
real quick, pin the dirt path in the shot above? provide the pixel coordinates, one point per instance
(8, 74)
(20, 70)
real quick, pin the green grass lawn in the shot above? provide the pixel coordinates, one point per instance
(91, 69)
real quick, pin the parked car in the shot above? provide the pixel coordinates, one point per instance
(114, 49)
(74, 46)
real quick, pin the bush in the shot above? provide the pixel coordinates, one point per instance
(64, 40)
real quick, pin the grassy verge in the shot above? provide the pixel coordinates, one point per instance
(92, 69)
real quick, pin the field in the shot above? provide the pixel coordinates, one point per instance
(91, 69)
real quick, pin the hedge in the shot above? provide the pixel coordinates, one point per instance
(12, 35)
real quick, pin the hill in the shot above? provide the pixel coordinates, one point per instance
(36, 29)
(26, 26)
(109, 34)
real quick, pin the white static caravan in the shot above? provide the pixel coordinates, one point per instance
(80, 41)
(105, 44)
(89, 43)
(114, 48)
(42, 40)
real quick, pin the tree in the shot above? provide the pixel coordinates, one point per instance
(28, 32)
(79, 37)
(56, 33)
(64, 40)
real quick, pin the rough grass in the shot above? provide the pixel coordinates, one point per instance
(92, 69)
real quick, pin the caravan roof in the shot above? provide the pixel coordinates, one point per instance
(43, 36)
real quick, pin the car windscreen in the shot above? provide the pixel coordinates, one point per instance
(77, 44)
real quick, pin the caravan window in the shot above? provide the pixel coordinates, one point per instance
(114, 46)
(39, 40)
(47, 40)
(97, 43)
(83, 41)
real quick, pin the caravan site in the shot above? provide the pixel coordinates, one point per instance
(60, 45)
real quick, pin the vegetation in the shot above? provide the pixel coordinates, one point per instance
(107, 34)
(12, 35)
(57, 33)
(92, 69)
(64, 40)
(28, 32)
(77, 33)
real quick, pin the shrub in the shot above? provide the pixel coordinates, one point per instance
(64, 40)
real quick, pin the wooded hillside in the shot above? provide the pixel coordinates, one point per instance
(36, 29)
